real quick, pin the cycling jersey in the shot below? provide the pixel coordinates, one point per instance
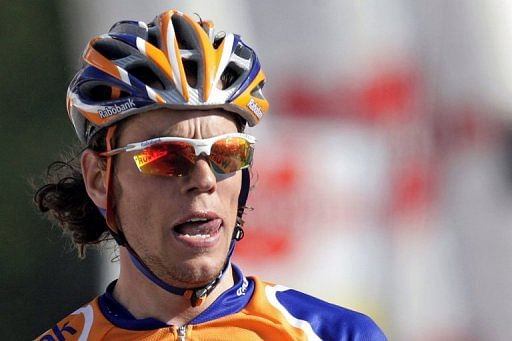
(249, 310)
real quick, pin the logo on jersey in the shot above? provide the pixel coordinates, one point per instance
(243, 289)
(59, 333)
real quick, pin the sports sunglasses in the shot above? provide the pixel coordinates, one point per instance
(176, 156)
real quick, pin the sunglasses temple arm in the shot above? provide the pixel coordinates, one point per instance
(115, 151)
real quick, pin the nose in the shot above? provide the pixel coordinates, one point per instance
(201, 179)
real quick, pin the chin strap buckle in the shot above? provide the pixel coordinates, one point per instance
(198, 296)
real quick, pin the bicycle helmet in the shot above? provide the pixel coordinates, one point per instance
(172, 62)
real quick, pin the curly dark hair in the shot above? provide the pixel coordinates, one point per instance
(64, 198)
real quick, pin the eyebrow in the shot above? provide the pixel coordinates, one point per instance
(156, 130)
(165, 134)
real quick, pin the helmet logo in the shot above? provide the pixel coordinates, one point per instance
(255, 108)
(116, 109)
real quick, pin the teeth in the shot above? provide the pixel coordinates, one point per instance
(198, 236)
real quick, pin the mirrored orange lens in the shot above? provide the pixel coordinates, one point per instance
(231, 154)
(178, 158)
(170, 159)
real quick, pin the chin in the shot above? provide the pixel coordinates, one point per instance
(194, 272)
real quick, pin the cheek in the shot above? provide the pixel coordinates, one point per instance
(228, 191)
(136, 194)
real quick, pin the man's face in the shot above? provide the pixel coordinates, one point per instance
(167, 220)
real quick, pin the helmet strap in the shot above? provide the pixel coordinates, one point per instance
(244, 190)
(110, 215)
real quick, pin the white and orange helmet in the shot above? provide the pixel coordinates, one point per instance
(173, 62)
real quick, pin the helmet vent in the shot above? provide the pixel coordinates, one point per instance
(112, 49)
(129, 27)
(153, 37)
(243, 51)
(257, 91)
(96, 92)
(219, 38)
(181, 32)
(190, 67)
(230, 75)
(146, 75)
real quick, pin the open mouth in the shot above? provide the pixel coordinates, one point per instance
(199, 228)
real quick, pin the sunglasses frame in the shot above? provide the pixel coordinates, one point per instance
(201, 146)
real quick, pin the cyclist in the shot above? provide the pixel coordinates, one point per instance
(161, 109)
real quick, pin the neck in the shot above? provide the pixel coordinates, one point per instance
(153, 301)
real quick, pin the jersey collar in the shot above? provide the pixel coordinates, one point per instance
(231, 301)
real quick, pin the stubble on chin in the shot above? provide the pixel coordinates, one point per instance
(190, 275)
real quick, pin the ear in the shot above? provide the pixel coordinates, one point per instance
(94, 175)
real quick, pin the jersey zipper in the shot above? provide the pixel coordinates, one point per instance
(182, 332)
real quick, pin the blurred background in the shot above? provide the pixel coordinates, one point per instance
(383, 171)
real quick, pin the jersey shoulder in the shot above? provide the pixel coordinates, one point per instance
(328, 321)
(87, 321)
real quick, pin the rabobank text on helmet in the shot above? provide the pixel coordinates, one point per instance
(116, 109)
